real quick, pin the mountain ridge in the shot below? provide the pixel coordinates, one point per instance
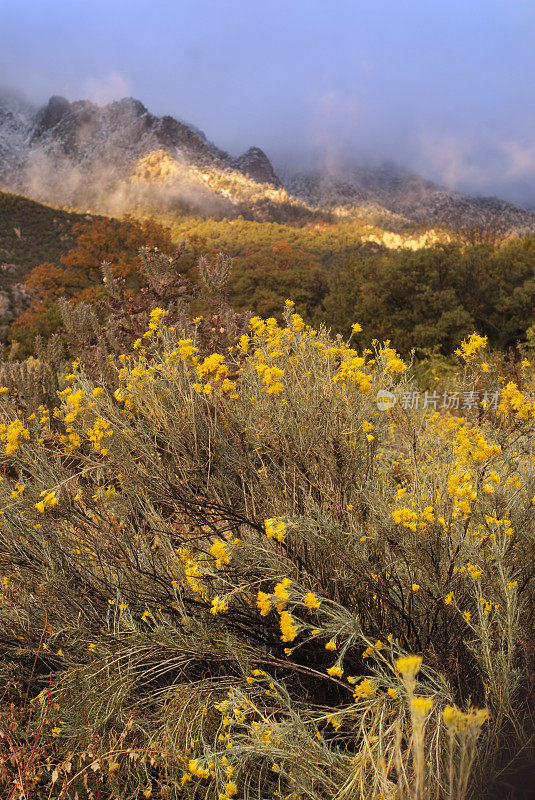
(120, 156)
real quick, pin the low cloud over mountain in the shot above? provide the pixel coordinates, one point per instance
(118, 157)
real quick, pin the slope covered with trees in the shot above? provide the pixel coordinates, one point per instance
(31, 233)
(425, 297)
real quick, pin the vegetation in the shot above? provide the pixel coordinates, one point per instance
(426, 298)
(31, 232)
(228, 571)
(79, 278)
(431, 298)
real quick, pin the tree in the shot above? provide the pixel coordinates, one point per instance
(79, 278)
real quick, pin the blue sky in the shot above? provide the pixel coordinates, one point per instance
(443, 86)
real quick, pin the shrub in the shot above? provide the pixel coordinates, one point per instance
(242, 578)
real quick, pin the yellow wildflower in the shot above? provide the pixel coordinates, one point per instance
(275, 529)
(421, 706)
(219, 606)
(336, 671)
(263, 601)
(366, 688)
(288, 629)
(219, 551)
(311, 601)
(469, 348)
(409, 666)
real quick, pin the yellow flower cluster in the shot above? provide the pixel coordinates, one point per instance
(18, 489)
(219, 606)
(270, 378)
(263, 601)
(409, 666)
(200, 772)
(278, 600)
(406, 517)
(280, 592)
(311, 601)
(185, 350)
(219, 551)
(71, 440)
(469, 348)
(372, 650)
(99, 430)
(513, 401)
(155, 317)
(470, 444)
(335, 671)
(74, 401)
(457, 721)
(12, 434)
(287, 626)
(421, 706)
(392, 360)
(193, 572)
(275, 529)
(350, 371)
(50, 499)
(214, 365)
(366, 688)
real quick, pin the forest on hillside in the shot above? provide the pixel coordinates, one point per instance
(426, 299)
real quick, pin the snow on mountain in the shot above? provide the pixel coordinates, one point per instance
(411, 198)
(15, 125)
(120, 156)
(115, 157)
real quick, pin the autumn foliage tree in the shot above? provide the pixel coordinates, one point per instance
(78, 277)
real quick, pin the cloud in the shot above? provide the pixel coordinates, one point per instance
(451, 158)
(520, 159)
(113, 87)
(478, 163)
(334, 129)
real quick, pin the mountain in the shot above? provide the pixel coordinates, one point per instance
(16, 119)
(411, 198)
(120, 158)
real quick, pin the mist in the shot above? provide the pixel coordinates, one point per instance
(444, 88)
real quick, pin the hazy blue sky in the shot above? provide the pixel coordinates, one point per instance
(444, 86)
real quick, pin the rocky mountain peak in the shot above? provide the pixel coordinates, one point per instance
(129, 105)
(257, 165)
(53, 112)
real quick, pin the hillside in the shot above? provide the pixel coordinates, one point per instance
(30, 234)
(114, 158)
